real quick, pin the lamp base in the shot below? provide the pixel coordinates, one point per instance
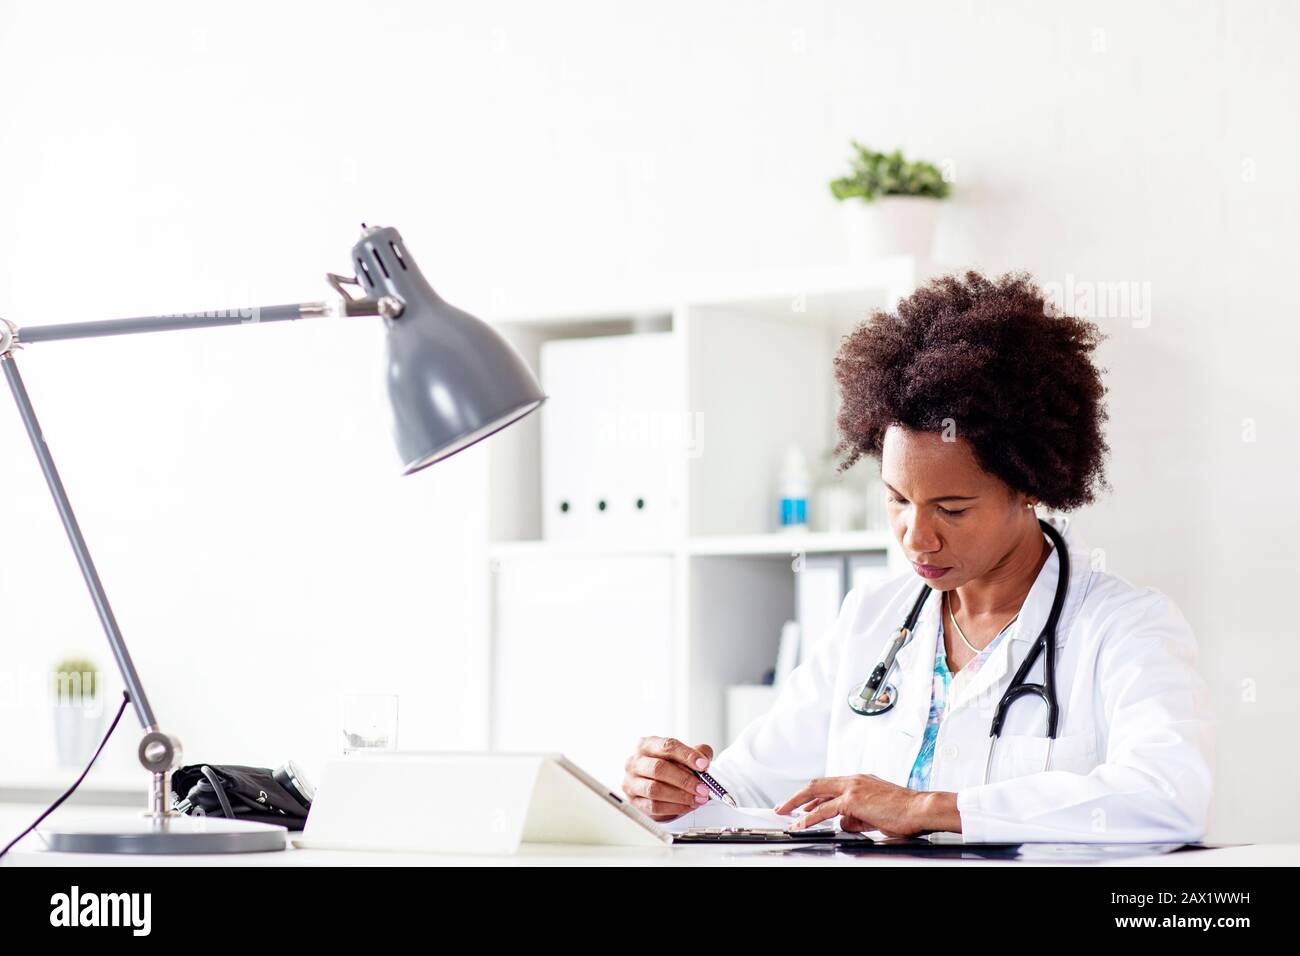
(173, 834)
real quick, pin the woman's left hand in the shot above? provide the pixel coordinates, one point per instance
(863, 800)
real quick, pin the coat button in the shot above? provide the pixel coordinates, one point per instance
(949, 751)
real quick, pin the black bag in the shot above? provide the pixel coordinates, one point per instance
(240, 793)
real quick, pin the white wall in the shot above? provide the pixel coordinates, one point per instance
(237, 486)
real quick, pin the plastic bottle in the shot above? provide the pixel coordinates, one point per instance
(795, 486)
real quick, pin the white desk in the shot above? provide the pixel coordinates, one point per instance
(31, 852)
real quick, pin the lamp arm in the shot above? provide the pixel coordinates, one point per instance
(389, 306)
(197, 320)
(106, 617)
(168, 323)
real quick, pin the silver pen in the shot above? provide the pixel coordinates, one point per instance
(716, 787)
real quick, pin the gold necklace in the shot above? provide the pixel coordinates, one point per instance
(960, 633)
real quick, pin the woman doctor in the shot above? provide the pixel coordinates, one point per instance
(981, 403)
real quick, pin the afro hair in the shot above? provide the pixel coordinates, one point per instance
(993, 360)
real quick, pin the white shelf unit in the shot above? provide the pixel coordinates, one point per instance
(757, 369)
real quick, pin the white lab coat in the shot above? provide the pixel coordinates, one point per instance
(1133, 758)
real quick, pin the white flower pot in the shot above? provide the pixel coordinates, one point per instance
(77, 732)
(891, 226)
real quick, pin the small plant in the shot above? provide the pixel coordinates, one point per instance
(888, 174)
(74, 680)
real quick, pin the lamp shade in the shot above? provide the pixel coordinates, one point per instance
(452, 379)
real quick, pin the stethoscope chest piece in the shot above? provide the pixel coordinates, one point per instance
(863, 701)
(874, 696)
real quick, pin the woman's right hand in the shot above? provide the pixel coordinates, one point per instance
(658, 782)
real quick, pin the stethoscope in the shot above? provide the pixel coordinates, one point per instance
(876, 696)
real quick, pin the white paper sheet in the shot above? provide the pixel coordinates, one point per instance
(715, 813)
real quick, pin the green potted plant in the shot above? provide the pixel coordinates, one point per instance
(891, 203)
(75, 694)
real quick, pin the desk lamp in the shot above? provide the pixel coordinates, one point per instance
(452, 381)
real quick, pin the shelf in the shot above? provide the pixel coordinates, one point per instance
(775, 544)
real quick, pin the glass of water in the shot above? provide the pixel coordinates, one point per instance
(368, 722)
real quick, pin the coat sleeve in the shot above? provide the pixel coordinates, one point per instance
(1155, 784)
(779, 752)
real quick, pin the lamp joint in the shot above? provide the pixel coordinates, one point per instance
(8, 338)
(159, 752)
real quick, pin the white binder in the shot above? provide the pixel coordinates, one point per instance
(819, 592)
(613, 437)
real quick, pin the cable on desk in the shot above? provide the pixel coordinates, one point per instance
(126, 699)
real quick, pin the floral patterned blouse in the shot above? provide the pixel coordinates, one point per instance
(920, 776)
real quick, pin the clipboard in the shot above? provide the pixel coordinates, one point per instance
(714, 835)
(935, 849)
(944, 848)
(855, 844)
(849, 841)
